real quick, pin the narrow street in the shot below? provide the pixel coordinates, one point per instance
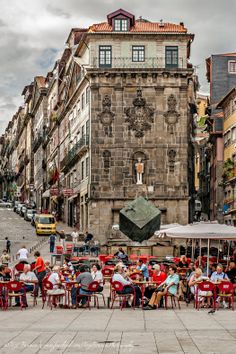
(19, 231)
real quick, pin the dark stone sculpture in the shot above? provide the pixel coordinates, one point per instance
(140, 219)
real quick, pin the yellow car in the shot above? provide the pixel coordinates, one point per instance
(45, 224)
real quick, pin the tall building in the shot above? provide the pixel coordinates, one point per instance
(220, 72)
(125, 121)
(228, 104)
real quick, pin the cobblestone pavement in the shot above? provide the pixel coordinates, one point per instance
(37, 330)
(113, 331)
(19, 231)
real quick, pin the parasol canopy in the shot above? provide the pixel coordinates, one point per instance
(203, 230)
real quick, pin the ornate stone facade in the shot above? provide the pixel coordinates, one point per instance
(140, 134)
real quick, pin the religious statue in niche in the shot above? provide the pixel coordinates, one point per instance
(139, 168)
(171, 156)
(140, 116)
(171, 115)
(106, 117)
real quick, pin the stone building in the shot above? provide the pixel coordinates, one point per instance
(137, 115)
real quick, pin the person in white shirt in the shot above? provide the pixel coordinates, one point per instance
(127, 289)
(74, 236)
(23, 254)
(97, 276)
(54, 278)
(29, 279)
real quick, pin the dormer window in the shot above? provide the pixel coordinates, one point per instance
(121, 20)
(121, 25)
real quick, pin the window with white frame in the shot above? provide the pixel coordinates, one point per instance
(138, 53)
(86, 167)
(121, 25)
(232, 66)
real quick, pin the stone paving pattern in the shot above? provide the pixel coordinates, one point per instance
(103, 330)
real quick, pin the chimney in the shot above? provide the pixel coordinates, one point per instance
(181, 24)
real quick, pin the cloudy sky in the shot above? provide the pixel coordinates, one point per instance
(33, 33)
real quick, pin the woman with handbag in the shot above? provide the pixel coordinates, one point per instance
(170, 286)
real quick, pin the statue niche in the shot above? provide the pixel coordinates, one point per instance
(106, 117)
(140, 116)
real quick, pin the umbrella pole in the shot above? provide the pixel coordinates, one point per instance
(208, 254)
(200, 252)
(228, 253)
(218, 254)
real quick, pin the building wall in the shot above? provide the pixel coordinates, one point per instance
(222, 80)
(170, 189)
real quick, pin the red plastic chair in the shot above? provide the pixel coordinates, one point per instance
(226, 291)
(92, 288)
(143, 258)
(102, 257)
(116, 289)
(107, 273)
(59, 249)
(208, 287)
(14, 288)
(136, 276)
(46, 296)
(69, 248)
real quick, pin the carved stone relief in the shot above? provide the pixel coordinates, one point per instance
(140, 116)
(106, 160)
(106, 117)
(171, 115)
(171, 160)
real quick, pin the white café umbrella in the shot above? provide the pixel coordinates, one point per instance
(202, 230)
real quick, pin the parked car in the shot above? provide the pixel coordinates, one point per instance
(7, 204)
(29, 214)
(23, 210)
(19, 208)
(45, 224)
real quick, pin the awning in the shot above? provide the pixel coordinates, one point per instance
(201, 230)
(46, 194)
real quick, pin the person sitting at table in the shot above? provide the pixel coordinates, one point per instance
(29, 279)
(196, 278)
(97, 276)
(200, 262)
(5, 275)
(232, 272)
(120, 276)
(120, 254)
(84, 279)
(170, 286)
(183, 262)
(158, 277)
(67, 265)
(218, 276)
(142, 267)
(55, 279)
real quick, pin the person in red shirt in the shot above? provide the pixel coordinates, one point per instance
(39, 269)
(158, 277)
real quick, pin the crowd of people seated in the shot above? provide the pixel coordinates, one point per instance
(149, 282)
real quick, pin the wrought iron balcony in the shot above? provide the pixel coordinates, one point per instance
(148, 63)
(75, 153)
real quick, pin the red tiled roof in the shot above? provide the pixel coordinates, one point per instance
(142, 26)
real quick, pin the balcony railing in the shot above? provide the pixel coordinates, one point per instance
(76, 152)
(150, 62)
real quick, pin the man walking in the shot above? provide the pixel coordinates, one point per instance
(52, 240)
(8, 245)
